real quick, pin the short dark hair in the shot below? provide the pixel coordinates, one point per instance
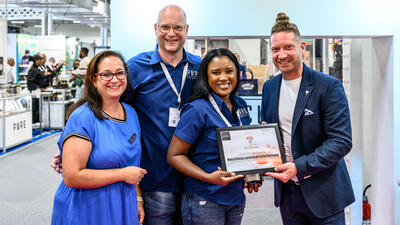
(202, 89)
(282, 24)
(35, 57)
(90, 94)
(85, 50)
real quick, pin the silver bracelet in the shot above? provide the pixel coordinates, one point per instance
(139, 198)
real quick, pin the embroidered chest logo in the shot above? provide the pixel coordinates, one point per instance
(191, 74)
(243, 112)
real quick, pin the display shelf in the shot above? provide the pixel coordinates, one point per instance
(15, 120)
(23, 68)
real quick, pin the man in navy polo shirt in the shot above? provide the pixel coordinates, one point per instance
(161, 80)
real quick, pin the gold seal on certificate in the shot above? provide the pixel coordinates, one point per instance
(250, 149)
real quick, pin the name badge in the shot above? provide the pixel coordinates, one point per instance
(174, 116)
(132, 138)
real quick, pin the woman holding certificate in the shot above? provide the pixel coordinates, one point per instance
(211, 196)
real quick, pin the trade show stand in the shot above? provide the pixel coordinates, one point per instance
(15, 119)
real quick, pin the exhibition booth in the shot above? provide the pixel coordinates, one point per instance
(21, 111)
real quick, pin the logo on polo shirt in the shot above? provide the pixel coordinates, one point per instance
(191, 74)
(243, 112)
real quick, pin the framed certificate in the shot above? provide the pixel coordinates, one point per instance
(250, 149)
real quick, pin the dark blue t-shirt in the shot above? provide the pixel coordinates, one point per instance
(197, 126)
(152, 98)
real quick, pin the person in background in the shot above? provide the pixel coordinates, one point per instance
(52, 62)
(36, 78)
(83, 54)
(241, 67)
(25, 64)
(211, 196)
(101, 151)
(10, 78)
(47, 70)
(76, 78)
(311, 108)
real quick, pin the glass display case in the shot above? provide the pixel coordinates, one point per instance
(15, 119)
(59, 102)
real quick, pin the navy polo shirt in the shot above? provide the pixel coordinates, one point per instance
(152, 98)
(197, 127)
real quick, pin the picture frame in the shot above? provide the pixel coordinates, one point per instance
(250, 149)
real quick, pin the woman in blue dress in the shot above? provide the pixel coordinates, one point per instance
(101, 150)
(211, 196)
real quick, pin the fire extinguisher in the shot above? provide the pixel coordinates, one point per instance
(366, 205)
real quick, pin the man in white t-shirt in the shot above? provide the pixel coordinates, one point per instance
(10, 78)
(85, 60)
(311, 108)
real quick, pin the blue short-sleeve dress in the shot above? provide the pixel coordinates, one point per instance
(115, 144)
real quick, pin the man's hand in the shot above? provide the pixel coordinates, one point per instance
(252, 187)
(284, 172)
(56, 163)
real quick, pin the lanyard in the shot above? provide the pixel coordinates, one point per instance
(214, 104)
(171, 83)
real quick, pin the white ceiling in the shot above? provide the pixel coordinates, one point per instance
(90, 12)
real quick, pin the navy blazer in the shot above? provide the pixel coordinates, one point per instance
(321, 137)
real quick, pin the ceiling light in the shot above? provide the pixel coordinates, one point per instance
(92, 25)
(38, 26)
(18, 21)
(76, 21)
(91, 18)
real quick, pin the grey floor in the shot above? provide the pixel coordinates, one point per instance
(28, 184)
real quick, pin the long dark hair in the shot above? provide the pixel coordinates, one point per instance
(90, 94)
(202, 89)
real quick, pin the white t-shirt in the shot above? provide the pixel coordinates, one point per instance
(9, 74)
(83, 64)
(287, 101)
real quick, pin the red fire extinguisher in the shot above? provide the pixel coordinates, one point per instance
(366, 205)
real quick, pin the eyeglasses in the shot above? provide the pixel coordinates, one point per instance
(107, 76)
(166, 28)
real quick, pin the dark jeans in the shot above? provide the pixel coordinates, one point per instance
(294, 210)
(198, 211)
(162, 208)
